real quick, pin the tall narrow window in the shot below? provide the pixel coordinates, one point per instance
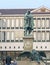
(8, 36)
(35, 24)
(3, 24)
(12, 36)
(8, 24)
(39, 36)
(43, 36)
(47, 23)
(47, 36)
(43, 23)
(35, 36)
(39, 23)
(3, 36)
(17, 23)
(21, 23)
(12, 23)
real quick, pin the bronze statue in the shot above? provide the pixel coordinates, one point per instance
(28, 23)
(33, 55)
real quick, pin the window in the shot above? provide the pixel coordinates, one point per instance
(47, 18)
(3, 36)
(8, 36)
(18, 47)
(43, 36)
(47, 36)
(47, 23)
(39, 36)
(17, 23)
(43, 18)
(39, 23)
(5, 47)
(21, 23)
(10, 47)
(43, 23)
(41, 47)
(8, 24)
(34, 18)
(36, 46)
(35, 23)
(14, 47)
(45, 46)
(38, 18)
(12, 23)
(35, 36)
(12, 36)
(4, 23)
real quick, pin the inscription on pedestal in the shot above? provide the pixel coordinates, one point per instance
(28, 43)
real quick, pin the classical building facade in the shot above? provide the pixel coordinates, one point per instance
(12, 32)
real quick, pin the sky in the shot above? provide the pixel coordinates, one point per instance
(12, 4)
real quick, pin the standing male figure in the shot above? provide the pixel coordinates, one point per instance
(28, 23)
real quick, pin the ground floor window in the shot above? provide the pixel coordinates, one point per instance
(13, 54)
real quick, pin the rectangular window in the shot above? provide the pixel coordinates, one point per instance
(17, 23)
(35, 23)
(12, 23)
(21, 22)
(43, 23)
(43, 36)
(8, 36)
(12, 36)
(39, 36)
(3, 24)
(3, 36)
(47, 36)
(35, 36)
(47, 23)
(38, 23)
(8, 23)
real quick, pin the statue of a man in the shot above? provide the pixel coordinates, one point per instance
(28, 23)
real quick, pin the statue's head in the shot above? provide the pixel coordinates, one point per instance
(28, 12)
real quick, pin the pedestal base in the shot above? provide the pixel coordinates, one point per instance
(29, 63)
(28, 43)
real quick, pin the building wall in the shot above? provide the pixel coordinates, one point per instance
(11, 27)
(12, 32)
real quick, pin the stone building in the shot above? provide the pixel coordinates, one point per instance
(12, 32)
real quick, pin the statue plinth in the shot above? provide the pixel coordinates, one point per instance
(28, 43)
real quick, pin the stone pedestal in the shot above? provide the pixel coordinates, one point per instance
(28, 43)
(29, 63)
